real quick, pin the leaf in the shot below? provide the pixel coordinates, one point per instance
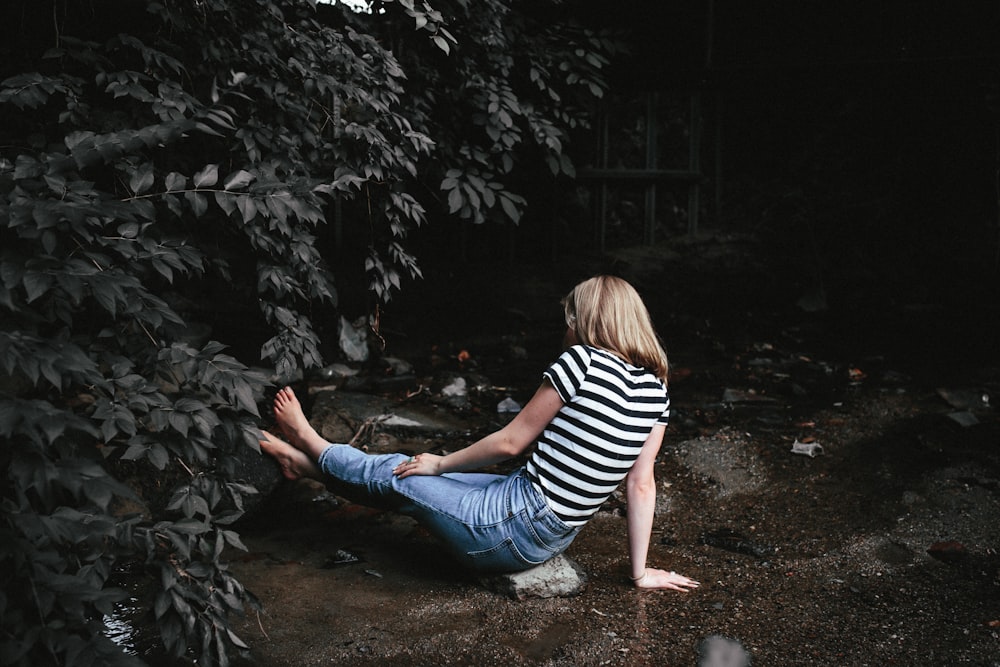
(36, 284)
(247, 206)
(135, 451)
(175, 181)
(567, 165)
(162, 604)
(454, 200)
(236, 640)
(441, 43)
(197, 201)
(207, 177)
(226, 201)
(509, 208)
(233, 538)
(240, 179)
(158, 456)
(142, 179)
(245, 400)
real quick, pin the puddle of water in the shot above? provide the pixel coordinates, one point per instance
(118, 625)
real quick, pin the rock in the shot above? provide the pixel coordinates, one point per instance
(338, 414)
(508, 406)
(559, 577)
(354, 338)
(966, 399)
(950, 551)
(398, 366)
(810, 449)
(260, 471)
(964, 418)
(748, 396)
(719, 651)
(730, 540)
(335, 374)
(727, 458)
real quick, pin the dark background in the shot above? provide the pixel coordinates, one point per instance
(853, 146)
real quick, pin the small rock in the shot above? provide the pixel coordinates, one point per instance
(950, 551)
(964, 418)
(740, 396)
(559, 577)
(965, 399)
(810, 449)
(719, 651)
(730, 540)
(508, 406)
(455, 388)
(341, 558)
(398, 366)
(334, 373)
(354, 338)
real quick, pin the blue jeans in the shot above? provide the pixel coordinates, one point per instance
(490, 523)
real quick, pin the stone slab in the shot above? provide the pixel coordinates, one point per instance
(558, 577)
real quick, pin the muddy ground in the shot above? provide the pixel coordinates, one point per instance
(882, 549)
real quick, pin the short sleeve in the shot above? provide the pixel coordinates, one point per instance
(568, 371)
(665, 417)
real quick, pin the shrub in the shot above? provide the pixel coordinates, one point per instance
(150, 156)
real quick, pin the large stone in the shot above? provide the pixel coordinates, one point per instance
(559, 577)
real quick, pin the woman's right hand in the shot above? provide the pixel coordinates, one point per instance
(421, 464)
(661, 579)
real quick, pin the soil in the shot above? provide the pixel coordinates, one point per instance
(882, 549)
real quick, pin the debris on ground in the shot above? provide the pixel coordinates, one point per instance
(809, 448)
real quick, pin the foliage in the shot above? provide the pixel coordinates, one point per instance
(499, 86)
(151, 155)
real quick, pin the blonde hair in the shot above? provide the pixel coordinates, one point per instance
(607, 313)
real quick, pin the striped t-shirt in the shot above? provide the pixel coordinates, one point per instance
(586, 451)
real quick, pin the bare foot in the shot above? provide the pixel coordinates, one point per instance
(295, 426)
(294, 463)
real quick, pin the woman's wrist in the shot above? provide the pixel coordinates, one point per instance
(636, 580)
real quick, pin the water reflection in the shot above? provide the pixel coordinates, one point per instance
(119, 625)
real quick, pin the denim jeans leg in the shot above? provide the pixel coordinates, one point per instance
(489, 522)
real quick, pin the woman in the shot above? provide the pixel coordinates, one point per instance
(598, 417)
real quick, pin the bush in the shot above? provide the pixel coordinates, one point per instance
(198, 147)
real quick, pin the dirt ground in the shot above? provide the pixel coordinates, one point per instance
(882, 549)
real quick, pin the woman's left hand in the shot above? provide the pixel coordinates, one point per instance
(658, 579)
(421, 464)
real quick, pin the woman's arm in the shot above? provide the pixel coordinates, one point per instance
(508, 442)
(640, 490)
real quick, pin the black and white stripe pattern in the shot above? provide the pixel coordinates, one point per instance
(586, 451)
